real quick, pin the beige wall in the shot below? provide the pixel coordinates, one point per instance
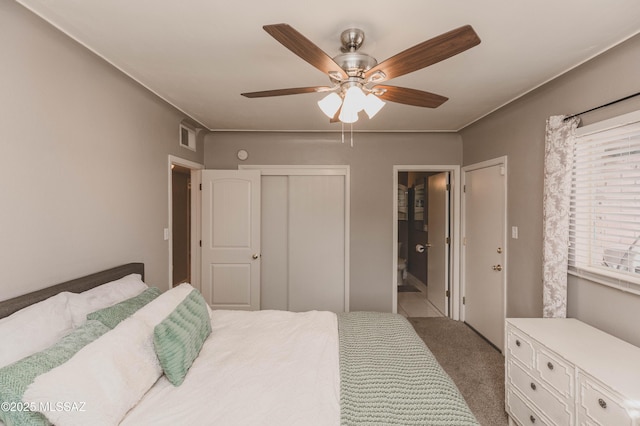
(517, 131)
(83, 182)
(371, 162)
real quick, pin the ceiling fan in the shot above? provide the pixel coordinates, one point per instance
(356, 77)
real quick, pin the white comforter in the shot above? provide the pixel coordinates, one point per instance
(256, 368)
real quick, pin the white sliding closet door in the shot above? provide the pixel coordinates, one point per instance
(304, 241)
(316, 243)
(274, 274)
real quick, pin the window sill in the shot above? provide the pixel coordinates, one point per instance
(622, 284)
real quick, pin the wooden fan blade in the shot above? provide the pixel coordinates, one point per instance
(427, 53)
(414, 97)
(335, 118)
(284, 92)
(304, 48)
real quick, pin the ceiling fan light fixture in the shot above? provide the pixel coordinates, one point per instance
(348, 116)
(354, 99)
(355, 74)
(330, 104)
(373, 105)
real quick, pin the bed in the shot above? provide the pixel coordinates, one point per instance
(247, 368)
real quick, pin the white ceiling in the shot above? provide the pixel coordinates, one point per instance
(199, 55)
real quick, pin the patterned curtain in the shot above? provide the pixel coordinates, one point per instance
(558, 159)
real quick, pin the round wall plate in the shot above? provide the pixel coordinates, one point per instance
(243, 155)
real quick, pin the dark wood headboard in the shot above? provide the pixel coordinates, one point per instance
(77, 285)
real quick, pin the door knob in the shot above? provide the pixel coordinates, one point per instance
(497, 267)
(255, 255)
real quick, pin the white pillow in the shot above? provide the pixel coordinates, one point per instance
(34, 328)
(103, 296)
(159, 308)
(101, 382)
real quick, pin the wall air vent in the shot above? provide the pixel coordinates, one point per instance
(187, 137)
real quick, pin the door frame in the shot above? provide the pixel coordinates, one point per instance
(196, 202)
(481, 165)
(455, 298)
(319, 170)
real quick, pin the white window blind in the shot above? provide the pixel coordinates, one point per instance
(605, 207)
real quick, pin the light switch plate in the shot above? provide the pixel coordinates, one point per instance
(514, 232)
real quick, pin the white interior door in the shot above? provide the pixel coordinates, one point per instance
(438, 244)
(484, 250)
(231, 238)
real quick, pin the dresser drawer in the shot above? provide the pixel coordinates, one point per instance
(556, 372)
(559, 411)
(522, 413)
(520, 347)
(599, 405)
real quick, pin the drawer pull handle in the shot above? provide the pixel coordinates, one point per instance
(533, 419)
(550, 365)
(602, 403)
(518, 343)
(533, 386)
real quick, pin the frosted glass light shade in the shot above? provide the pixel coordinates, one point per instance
(354, 100)
(373, 105)
(348, 116)
(330, 104)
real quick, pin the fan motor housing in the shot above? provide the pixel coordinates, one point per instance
(351, 39)
(355, 63)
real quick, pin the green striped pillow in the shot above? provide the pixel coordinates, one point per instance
(16, 377)
(179, 337)
(114, 315)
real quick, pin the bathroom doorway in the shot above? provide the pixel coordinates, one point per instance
(426, 241)
(181, 224)
(183, 231)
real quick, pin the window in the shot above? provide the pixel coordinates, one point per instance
(605, 205)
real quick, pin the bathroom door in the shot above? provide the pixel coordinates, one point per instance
(439, 241)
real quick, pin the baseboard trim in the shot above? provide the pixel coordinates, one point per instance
(483, 338)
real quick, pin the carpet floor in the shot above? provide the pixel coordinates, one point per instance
(475, 366)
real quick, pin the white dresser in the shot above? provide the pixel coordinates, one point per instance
(564, 372)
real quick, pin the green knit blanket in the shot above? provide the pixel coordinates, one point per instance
(389, 377)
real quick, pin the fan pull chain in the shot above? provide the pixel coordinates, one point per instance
(351, 131)
(351, 135)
